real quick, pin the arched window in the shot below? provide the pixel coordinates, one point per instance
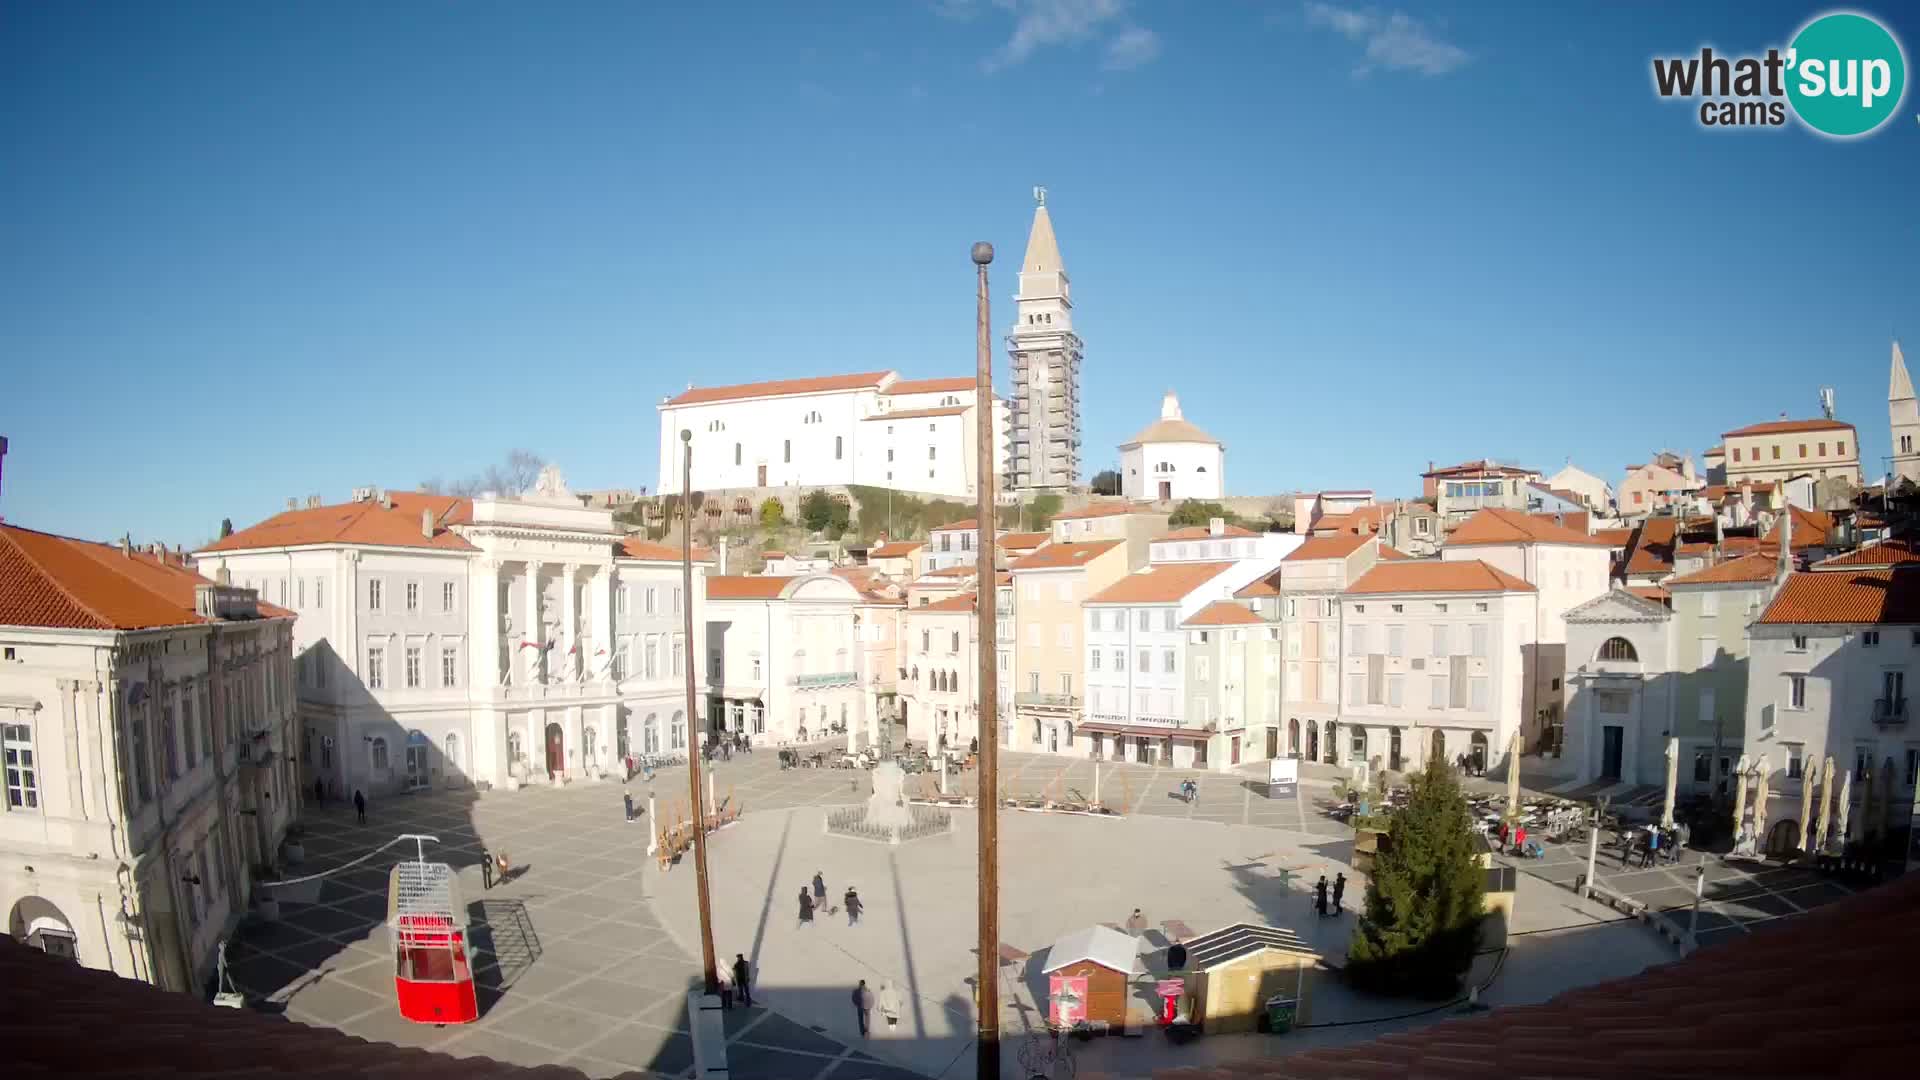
(589, 746)
(377, 754)
(650, 734)
(1618, 648)
(516, 748)
(679, 731)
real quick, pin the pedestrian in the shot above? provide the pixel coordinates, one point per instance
(862, 1005)
(819, 890)
(629, 801)
(360, 805)
(1176, 956)
(1506, 829)
(486, 869)
(1136, 924)
(741, 980)
(1339, 892)
(1320, 896)
(854, 907)
(1653, 847)
(973, 745)
(890, 1003)
(1520, 839)
(725, 980)
(806, 907)
(319, 790)
(500, 867)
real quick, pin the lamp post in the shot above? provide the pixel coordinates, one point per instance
(707, 968)
(986, 977)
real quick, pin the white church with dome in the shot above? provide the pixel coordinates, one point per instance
(1171, 459)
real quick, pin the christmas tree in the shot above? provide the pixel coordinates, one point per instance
(1420, 928)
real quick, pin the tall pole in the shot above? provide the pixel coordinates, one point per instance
(694, 723)
(987, 978)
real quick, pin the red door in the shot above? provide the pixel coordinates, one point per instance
(556, 751)
(763, 476)
(1166, 491)
(1234, 752)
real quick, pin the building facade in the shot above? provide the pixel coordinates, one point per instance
(147, 720)
(1621, 688)
(1048, 639)
(1172, 459)
(1045, 354)
(1233, 683)
(784, 658)
(1782, 449)
(1312, 583)
(1593, 492)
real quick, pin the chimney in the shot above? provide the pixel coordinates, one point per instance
(313, 502)
(126, 545)
(293, 503)
(224, 576)
(426, 523)
(1216, 526)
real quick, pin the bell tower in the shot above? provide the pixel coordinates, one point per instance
(1045, 355)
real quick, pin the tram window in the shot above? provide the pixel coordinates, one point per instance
(427, 965)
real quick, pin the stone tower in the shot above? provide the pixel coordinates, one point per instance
(1045, 353)
(1903, 414)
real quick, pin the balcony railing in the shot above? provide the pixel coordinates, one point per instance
(823, 681)
(1890, 712)
(1035, 699)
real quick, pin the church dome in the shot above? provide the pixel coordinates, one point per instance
(1170, 428)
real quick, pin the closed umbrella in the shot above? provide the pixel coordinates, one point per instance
(1806, 811)
(1866, 799)
(1513, 774)
(1739, 797)
(1673, 781)
(1845, 808)
(1826, 805)
(1760, 805)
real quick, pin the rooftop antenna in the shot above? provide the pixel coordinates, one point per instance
(1826, 401)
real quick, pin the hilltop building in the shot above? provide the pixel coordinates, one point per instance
(1172, 459)
(1045, 355)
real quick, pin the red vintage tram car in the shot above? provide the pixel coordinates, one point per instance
(433, 973)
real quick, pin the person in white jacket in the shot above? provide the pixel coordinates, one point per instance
(890, 1003)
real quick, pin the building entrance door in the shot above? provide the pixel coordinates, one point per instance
(1233, 751)
(416, 767)
(1612, 739)
(556, 751)
(1273, 741)
(763, 476)
(1166, 491)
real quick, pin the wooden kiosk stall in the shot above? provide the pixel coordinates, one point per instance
(1235, 972)
(1087, 975)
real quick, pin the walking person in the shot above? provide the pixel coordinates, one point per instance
(890, 1003)
(819, 890)
(741, 980)
(629, 801)
(319, 791)
(1320, 896)
(854, 907)
(806, 907)
(862, 1005)
(486, 869)
(360, 805)
(1339, 892)
(1136, 924)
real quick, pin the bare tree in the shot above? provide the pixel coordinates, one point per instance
(523, 468)
(516, 476)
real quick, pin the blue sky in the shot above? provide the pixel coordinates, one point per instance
(249, 251)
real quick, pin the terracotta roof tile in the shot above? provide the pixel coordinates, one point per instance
(969, 525)
(1757, 567)
(1338, 546)
(965, 601)
(1103, 509)
(957, 570)
(1201, 532)
(1022, 541)
(706, 395)
(934, 386)
(57, 581)
(898, 549)
(1436, 576)
(1614, 537)
(1393, 554)
(1809, 528)
(1847, 596)
(1575, 520)
(1652, 592)
(1223, 613)
(745, 587)
(1651, 549)
(639, 547)
(1060, 556)
(1159, 583)
(1777, 427)
(1898, 551)
(914, 414)
(1494, 526)
(1486, 466)
(369, 523)
(1260, 587)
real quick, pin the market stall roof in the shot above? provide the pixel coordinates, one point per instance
(1103, 945)
(1242, 939)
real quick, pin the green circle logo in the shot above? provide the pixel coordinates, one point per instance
(1845, 74)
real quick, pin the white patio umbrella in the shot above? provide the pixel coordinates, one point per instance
(1846, 806)
(1760, 805)
(1806, 810)
(1740, 797)
(1673, 781)
(1826, 805)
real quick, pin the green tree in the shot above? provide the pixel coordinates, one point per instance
(839, 518)
(1041, 510)
(1420, 927)
(1106, 482)
(816, 510)
(772, 514)
(226, 528)
(1194, 512)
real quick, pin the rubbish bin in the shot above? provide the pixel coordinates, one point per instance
(1280, 1013)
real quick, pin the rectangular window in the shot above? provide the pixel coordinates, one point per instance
(1803, 449)
(1776, 451)
(620, 600)
(1146, 661)
(449, 667)
(413, 667)
(23, 784)
(446, 596)
(1913, 764)
(1146, 620)
(1709, 603)
(1066, 685)
(652, 605)
(838, 446)
(1292, 608)
(651, 657)
(300, 592)
(930, 453)
(1119, 659)
(1033, 682)
(373, 594)
(1870, 638)
(376, 667)
(1479, 634)
(1396, 641)
(926, 641)
(955, 647)
(319, 592)
(1437, 696)
(1840, 448)
(786, 451)
(1736, 457)
(1796, 691)
(1396, 690)
(1796, 763)
(413, 597)
(679, 654)
(1799, 643)
(1709, 648)
(1357, 640)
(1167, 662)
(1439, 639)
(1356, 689)
(1477, 693)
(1093, 659)
(1823, 449)
(1702, 766)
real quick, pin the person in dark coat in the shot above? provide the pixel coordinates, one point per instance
(319, 790)
(819, 890)
(1320, 896)
(862, 1005)
(629, 801)
(486, 869)
(973, 746)
(1339, 892)
(806, 907)
(360, 805)
(854, 907)
(741, 984)
(1176, 956)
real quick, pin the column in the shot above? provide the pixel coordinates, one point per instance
(568, 646)
(535, 632)
(602, 666)
(576, 748)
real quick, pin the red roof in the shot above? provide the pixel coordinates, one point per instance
(1102, 509)
(1259, 587)
(1652, 549)
(59, 582)
(1809, 529)
(1747, 569)
(1436, 576)
(1062, 556)
(1223, 613)
(1780, 427)
(1483, 467)
(899, 549)
(1847, 596)
(1897, 551)
(1337, 546)
(965, 601)
(1022, 541)
(739, 587)
(639, 547)
(1159, 583)
(913, 414)
(1652, 592)
(1493, 526)
(934, 386)
(370, 523)
(1393, 554)
(779, 388)
(970, 524)
(1614, 537)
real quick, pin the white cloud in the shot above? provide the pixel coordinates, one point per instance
(1131, 48)
(1042, 24)
(1395, 41)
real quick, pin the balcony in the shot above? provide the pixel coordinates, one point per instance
(1033, 699)
(824, 681)
(553, 691)
(1890, 712)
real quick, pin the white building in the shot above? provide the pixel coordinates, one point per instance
(1433, 662)
(1217, 540)
(1621, 687)
(943, 671)
(872, 428)
(1045, 356)
(784, 656)
(1593, 492)
(146, 715)
(1172, 459)
(444, 641)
